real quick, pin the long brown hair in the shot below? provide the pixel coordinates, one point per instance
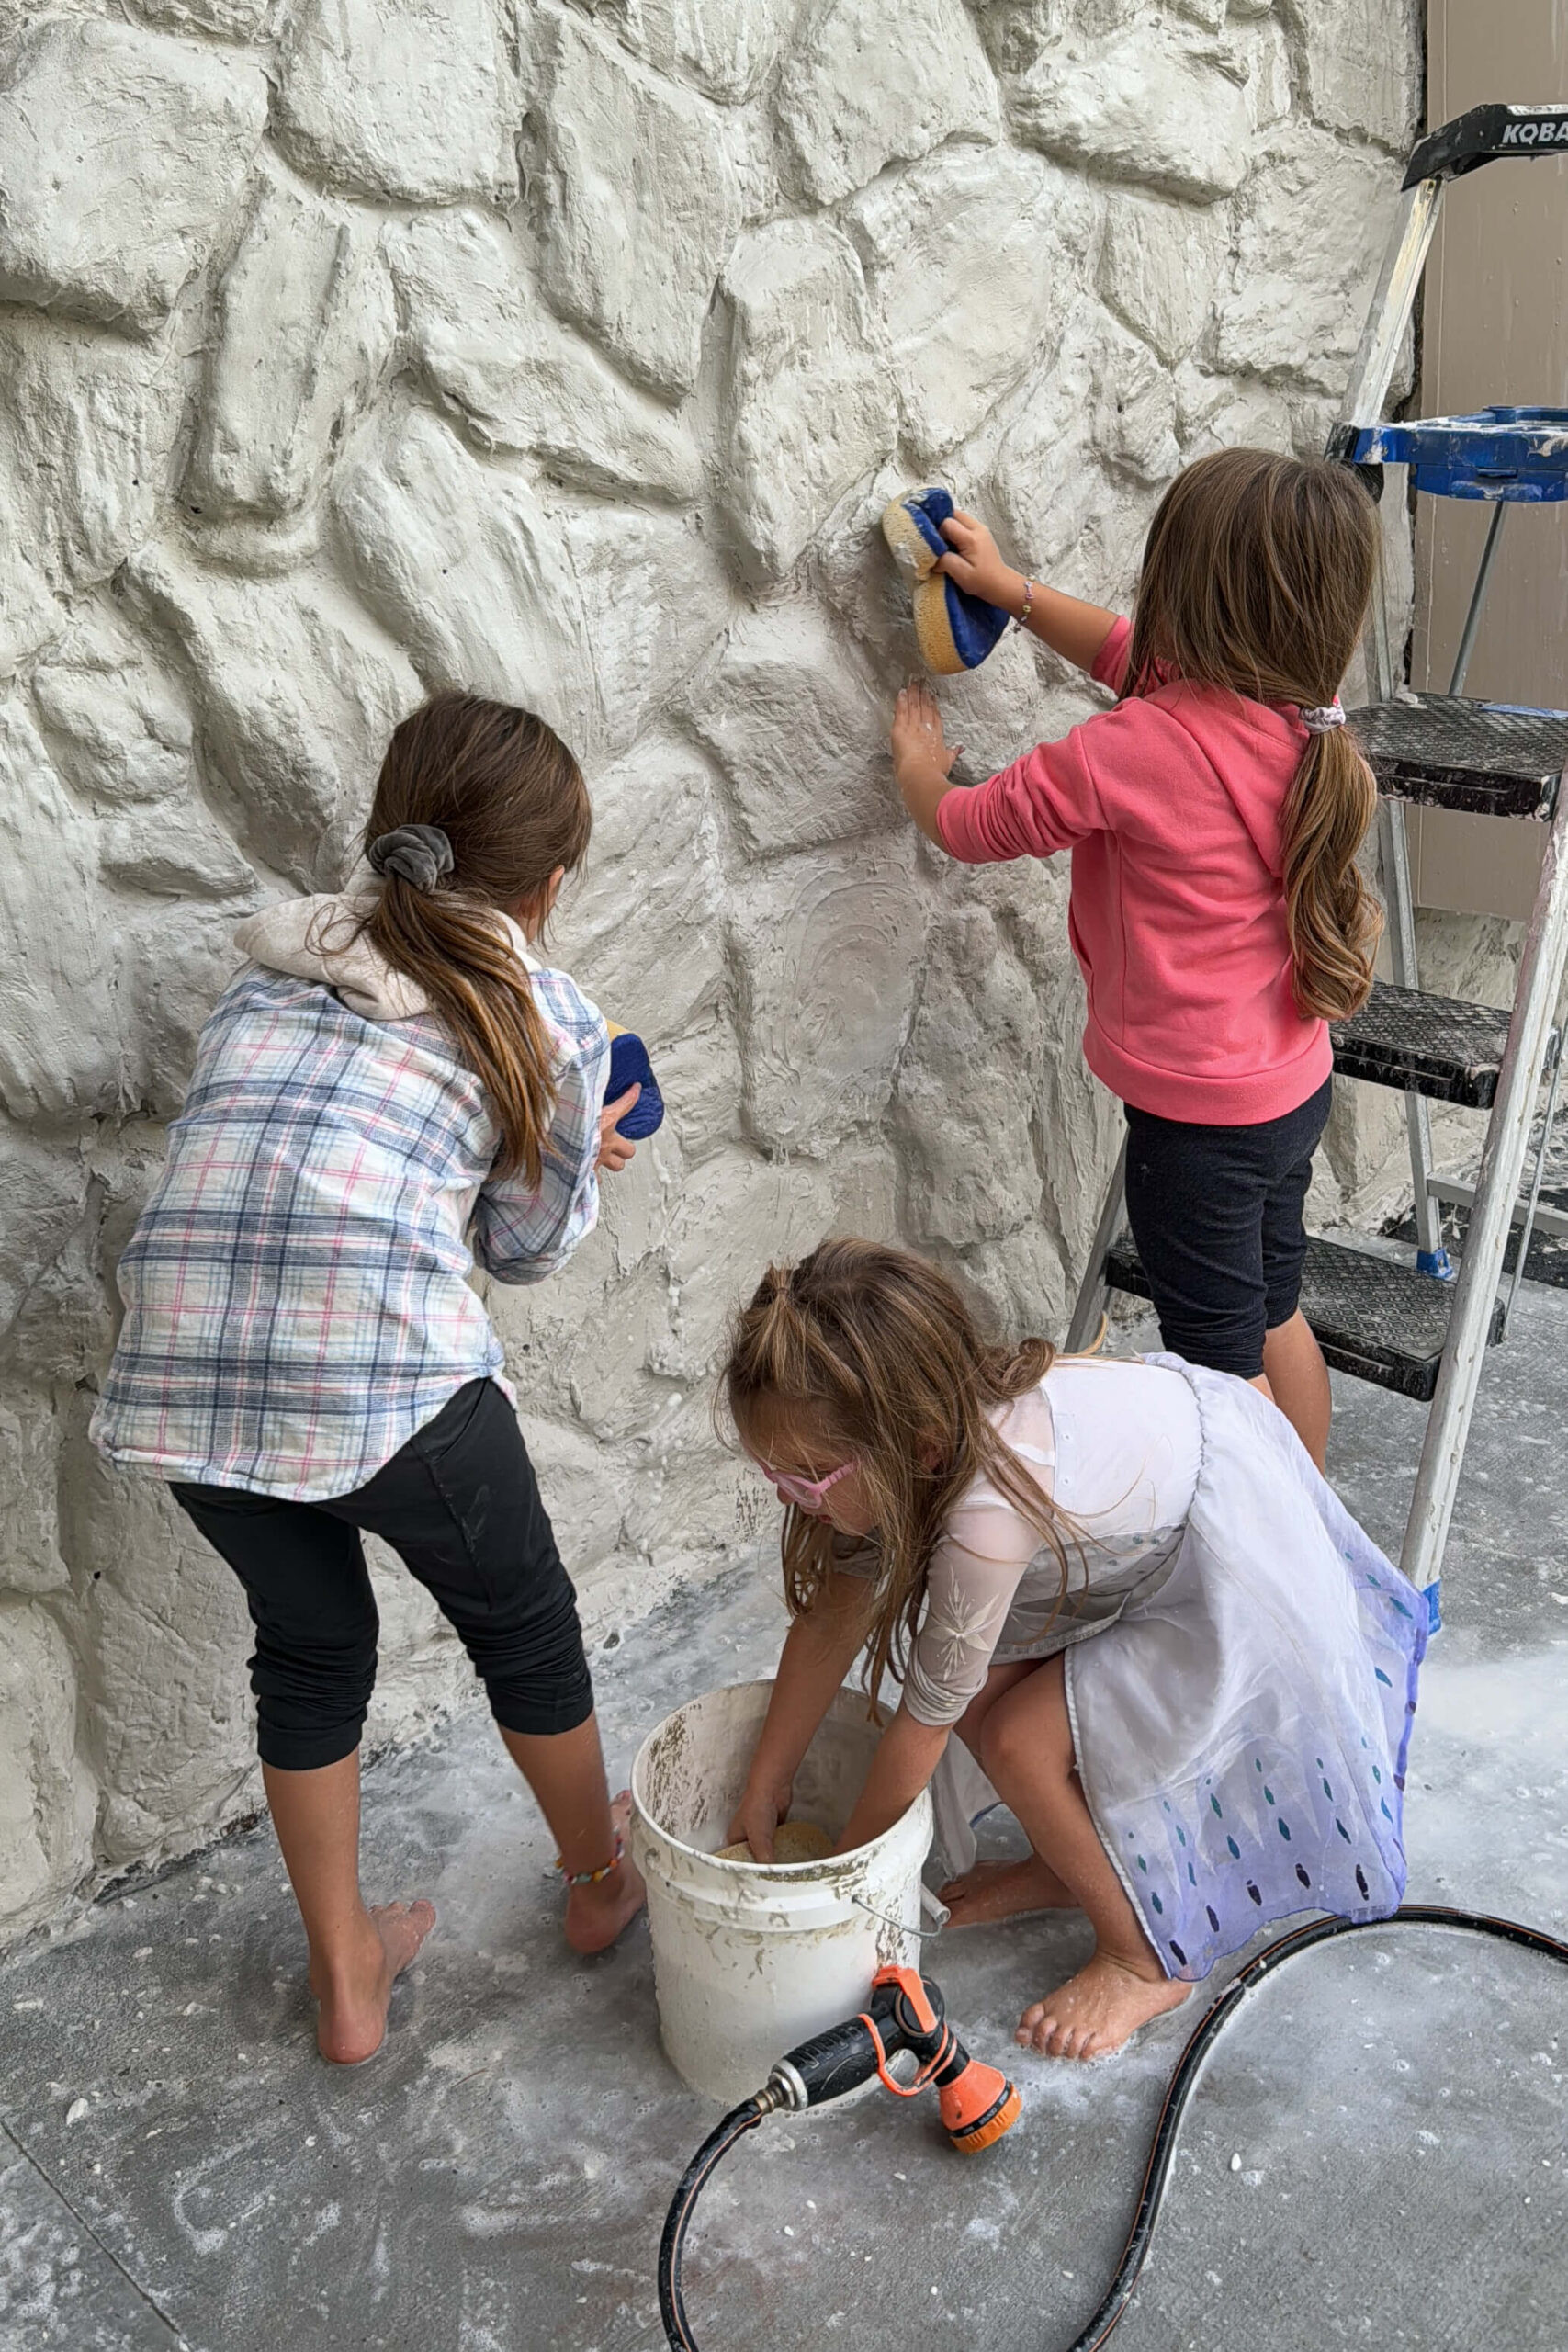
(510, 800)
(881, 1350)
(1258, 572)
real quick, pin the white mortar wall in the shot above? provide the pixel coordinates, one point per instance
(350, 348)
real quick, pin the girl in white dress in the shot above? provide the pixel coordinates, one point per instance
(1174, 1654)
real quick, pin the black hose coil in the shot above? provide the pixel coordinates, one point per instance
(746, 2118)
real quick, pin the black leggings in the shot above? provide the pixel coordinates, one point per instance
(460, 1504)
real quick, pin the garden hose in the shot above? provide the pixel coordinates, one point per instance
(837, 2061)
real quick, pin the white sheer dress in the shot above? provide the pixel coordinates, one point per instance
(1241, 1658)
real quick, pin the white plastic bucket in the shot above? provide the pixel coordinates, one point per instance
(748, 1961)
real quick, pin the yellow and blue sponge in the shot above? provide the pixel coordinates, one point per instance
(953, 631)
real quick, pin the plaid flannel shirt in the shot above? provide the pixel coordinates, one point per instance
(296, 1290)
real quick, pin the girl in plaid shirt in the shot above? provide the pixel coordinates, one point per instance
(392, 1089)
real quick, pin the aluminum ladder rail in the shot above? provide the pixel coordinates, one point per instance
(1375, 1320)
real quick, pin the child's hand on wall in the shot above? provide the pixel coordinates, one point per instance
(614, 1150)
(922, 760)
(975, 564)
(919, 743)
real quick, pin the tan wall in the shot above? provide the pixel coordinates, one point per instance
(1496, 328)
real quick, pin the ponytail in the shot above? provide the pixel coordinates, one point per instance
(507, 808)
(1256, 577)
(1331, 917)
(468, 968)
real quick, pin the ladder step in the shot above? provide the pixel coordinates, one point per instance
(1517, 453)
(1489, 759)
(1434, 1045)
(1375, 1319)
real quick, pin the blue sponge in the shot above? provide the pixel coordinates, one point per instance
(953, 631)
(629, 1065)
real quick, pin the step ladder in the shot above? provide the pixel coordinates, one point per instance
(1420, 1330)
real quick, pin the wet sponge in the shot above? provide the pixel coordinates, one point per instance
(954, 631)
(793, 1841)
(629, 1065)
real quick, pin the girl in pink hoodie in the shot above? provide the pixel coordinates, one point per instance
(1213, 815)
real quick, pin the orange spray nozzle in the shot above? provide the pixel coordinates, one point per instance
(979, 2107)
(905, 2012)
(978, 2103)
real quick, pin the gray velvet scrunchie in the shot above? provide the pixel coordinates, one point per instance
(417, 854)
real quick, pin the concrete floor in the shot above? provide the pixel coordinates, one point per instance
(177, 2169)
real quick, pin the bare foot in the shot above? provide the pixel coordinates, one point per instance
(595, 1915)
(1099, 2008)
(352, 2024)
(1005, 1891)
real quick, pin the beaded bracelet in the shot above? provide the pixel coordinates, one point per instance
(1028, 603)
(591, 1878)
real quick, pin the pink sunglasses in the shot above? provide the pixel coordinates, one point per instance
(805, 1493)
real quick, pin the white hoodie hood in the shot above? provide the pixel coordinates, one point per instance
(320, 939)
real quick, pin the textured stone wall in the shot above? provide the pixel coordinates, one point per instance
(353, 347)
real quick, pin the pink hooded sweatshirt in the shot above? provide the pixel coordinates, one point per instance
(1173, 806)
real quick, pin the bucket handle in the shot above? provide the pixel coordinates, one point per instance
(929, 1903)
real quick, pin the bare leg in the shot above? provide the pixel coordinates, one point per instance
(993, 1890)
(1298, 1379)
(566, 1771)
(971, 1724)
(1029, 1758)
(354, 1954)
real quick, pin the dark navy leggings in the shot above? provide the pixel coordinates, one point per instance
(460, 1504)
(1217, 1212)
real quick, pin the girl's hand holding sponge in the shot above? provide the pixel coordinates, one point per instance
(964, 594)
(633, 1106)
(973, 562)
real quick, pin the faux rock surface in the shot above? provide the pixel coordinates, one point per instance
(296, 691)
(964, 257)
(1159, 264)
(1297, 285)
(726, 46)
(809, 400)
(820, 1056)
(267, 415)
(349, 349)
(46, 1794)
(116, 736)
(1357, 80)
(643, 206)
(120, 155)
(516, 377)
(408, 98)
(869, 82)
(1145, 107)
(57, 1053)
(798, 730)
